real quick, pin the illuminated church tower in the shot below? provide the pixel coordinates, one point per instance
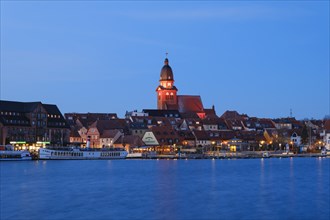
(166, 91)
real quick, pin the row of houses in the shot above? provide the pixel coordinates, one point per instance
(37, 124)
(166, 130)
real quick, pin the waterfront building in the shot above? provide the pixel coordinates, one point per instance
(296, 137)
(202, 138)
(76, 138)
(80, 122)
(326, 137)
(162, 138)
(188, 139)
(32, 124)
(129, 142)
(103, 133)
(109, 137)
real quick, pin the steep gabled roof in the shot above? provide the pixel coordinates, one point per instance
(109, 133)
(164, 132)
(230, 115)
(190, 103)
(201, 135)
(52, 109)
(132, 140)
(250, 135)
(210, 113)
(102, 125)
(12, 106)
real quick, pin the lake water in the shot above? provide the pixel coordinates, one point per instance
(290, 188)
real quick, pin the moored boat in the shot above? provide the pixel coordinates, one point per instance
(7, 153)
(75, 153)
(81, 154)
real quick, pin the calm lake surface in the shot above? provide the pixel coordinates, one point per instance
(287, 188)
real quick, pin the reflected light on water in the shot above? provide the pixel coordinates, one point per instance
(285, 188)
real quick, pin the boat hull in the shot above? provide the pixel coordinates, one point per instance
(49, 154)
(15, 156)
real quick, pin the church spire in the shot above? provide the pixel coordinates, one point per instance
(166, 62)
(166, 59)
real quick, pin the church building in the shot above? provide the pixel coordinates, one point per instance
(167, 98)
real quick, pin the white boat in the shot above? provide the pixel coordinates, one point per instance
(134, 155)
(81, 154)
(7, 153)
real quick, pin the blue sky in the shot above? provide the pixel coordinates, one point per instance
(261, 58)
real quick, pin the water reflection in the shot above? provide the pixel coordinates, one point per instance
(166, 189)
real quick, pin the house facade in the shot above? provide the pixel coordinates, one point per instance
(32, 124)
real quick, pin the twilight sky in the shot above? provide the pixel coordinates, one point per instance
(259, 58)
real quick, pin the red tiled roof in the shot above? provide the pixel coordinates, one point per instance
(250, 135)
(132, 140)
(109, 133)
(189, 103)
(231, 115)
(164, 132)
(102, 125)
(210, 113)
(165, 135)
(201, 135)
(233, 123)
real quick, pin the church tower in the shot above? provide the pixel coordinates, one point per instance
(166, 91)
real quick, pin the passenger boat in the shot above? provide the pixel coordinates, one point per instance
(81, 154)
(75, 153)
(134, 155)
(7, 153)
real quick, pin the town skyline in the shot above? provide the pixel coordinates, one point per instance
(261, 59)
